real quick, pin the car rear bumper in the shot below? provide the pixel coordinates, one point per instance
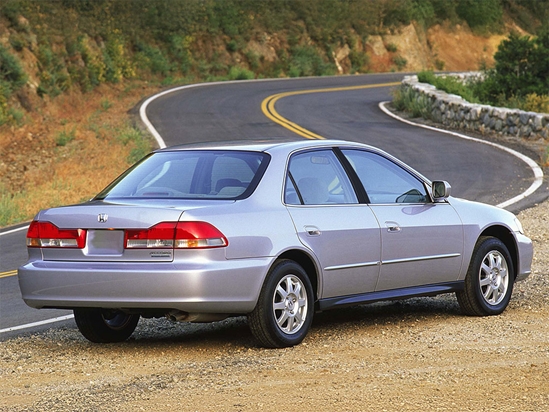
(230, 286)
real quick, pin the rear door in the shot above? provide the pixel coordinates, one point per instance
(343, 234)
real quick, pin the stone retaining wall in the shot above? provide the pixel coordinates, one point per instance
(455, 112)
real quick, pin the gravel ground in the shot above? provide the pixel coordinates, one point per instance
(413, 355)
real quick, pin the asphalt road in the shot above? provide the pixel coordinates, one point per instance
(232, 111)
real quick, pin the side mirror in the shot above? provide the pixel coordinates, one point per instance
(441, 190)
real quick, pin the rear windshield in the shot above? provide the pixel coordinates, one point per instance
(205, 174)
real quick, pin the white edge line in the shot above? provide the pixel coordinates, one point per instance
(143, 108)
(538, 173)
(34, 324)
(14, 230)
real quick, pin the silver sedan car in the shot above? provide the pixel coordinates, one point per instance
(273, 230)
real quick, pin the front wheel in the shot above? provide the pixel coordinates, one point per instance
(284, 311)
(105, 325)
(489, 280)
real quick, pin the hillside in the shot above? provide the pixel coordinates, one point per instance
(70, 70)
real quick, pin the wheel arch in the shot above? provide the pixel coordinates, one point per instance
(308, 264)
(506, 236)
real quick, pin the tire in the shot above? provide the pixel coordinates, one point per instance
(284, 311)
(105, 326)
(489, 280)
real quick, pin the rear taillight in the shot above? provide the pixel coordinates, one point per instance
(46, 234)
(175, 235)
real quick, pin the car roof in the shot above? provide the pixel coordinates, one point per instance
(266, 145)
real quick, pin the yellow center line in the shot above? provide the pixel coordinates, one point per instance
(268, 107)
(8, 273)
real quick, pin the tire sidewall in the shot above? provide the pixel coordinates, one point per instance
(488, 245)
(278, 272)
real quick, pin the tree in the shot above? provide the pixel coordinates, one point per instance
(514, 67)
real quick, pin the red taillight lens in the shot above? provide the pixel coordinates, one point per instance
(178, 235)
(46, 234)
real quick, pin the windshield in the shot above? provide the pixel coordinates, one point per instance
(205, 174)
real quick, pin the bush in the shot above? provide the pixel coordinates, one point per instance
(400, 62)
(239, 73)
(408, 100)
(521, 67)
(11, 72)
(152, 59)
(536, 103)
(64, 137)
(449, 84)
(307, 61)
(54, 77)
(482, 16)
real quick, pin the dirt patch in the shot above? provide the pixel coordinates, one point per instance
(460, 49)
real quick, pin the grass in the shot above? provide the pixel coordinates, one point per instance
(103, 143)
(10, 212)
(449, 84)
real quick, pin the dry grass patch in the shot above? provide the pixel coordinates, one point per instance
(69, 149)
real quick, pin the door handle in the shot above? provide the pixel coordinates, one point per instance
(393, 227)
(312, 231)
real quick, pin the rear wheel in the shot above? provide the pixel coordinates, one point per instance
(284, 311)
(105, 325)
(489, 280)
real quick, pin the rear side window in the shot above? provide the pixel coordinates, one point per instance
(317, 178)
(191, 175)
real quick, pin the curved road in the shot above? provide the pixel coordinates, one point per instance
(233, 111)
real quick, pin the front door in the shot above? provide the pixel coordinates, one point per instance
(422, 241)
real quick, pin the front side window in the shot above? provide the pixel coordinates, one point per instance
(317, 178)
(191, 175)
(385, 182)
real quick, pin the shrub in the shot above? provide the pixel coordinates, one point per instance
(64, 137)
(449, 84)
(407, 99)
(359, 61)
(392, 48)
(152, 58)
(54, 77)
(307, 61)
(11, 72)
(239, 73)
(482, 16)
(118, 64)
(536, 103)
(400, 62)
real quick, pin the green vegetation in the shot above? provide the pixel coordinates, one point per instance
(12, 78)
(521, 69)
(519, 78)
(64, 137)
(408, 100)
(83, 43)
(448, 84)
(140, 143)
(10, 213)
